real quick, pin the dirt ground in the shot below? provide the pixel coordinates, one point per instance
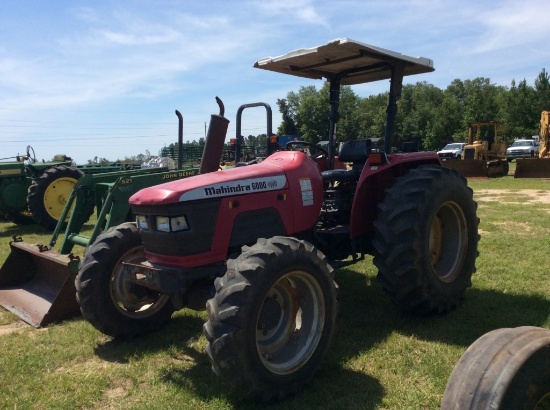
(531, 196)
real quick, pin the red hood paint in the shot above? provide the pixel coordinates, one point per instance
(172, 192)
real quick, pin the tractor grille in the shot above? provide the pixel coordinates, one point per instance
(201, 218)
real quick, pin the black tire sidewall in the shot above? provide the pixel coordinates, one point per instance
(242, 290)
(401, 241)
(93, 284)
(275, 271)
(449, 190)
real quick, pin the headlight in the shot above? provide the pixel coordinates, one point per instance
(163, 223)
(141, 222)
(178, 223)
(174, 223)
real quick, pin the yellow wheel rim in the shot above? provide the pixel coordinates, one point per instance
(56, 196)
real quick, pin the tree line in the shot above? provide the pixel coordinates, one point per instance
(426, 114)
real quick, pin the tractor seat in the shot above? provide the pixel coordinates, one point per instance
(355, 152)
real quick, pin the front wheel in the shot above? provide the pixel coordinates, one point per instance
(272, 318)
(426, 240)
(108, 298)
(505, 369)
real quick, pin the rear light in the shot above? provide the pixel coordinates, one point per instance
(376, 157)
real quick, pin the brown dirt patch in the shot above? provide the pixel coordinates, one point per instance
(531, 196)
(13, 328)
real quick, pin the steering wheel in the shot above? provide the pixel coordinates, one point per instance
(318, 153)
(31, 158)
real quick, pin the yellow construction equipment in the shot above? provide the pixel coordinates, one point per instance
(537, 167)
(484, 155)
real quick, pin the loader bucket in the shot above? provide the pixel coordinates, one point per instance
(37, 284)
(532, 168)
(468, 168)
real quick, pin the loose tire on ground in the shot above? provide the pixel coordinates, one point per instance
(426, 240)
(272, 318)
(506, 369)
(49, 193)
(107, 300)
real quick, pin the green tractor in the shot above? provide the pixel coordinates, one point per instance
(35, 192)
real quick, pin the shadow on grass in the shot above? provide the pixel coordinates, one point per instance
(176, 333)
(9, 230)
(366, 319)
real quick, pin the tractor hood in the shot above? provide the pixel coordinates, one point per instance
(269, 175)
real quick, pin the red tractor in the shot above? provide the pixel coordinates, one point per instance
(258, 244)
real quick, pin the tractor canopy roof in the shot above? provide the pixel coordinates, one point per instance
(355, 62)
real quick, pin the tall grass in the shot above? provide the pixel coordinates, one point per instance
(381, 358)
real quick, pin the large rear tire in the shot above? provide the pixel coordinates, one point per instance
(506, 369)
(49, 193)
(272, 318)
(426, 240)
(107, 299)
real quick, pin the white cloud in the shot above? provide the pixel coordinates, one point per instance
(302, 10)
(513, 24)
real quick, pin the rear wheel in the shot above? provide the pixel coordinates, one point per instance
(503, 369)
(107, 298)
(272, 318)
(49, 193)
(426, 239)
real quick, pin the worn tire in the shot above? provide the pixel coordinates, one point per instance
(426, 240)
(506, 369)
(113, 306)
(49, 193)
(272, 318)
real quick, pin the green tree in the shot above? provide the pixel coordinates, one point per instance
(416, 115)
(287, 126)
(522, 113)
(542, 90)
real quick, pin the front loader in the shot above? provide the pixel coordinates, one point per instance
(258, 245)
(537, 167)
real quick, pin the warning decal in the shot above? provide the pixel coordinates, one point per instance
(307, 191)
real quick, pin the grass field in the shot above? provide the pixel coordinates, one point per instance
(381, 358)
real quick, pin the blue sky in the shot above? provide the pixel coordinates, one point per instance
(103, 78)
